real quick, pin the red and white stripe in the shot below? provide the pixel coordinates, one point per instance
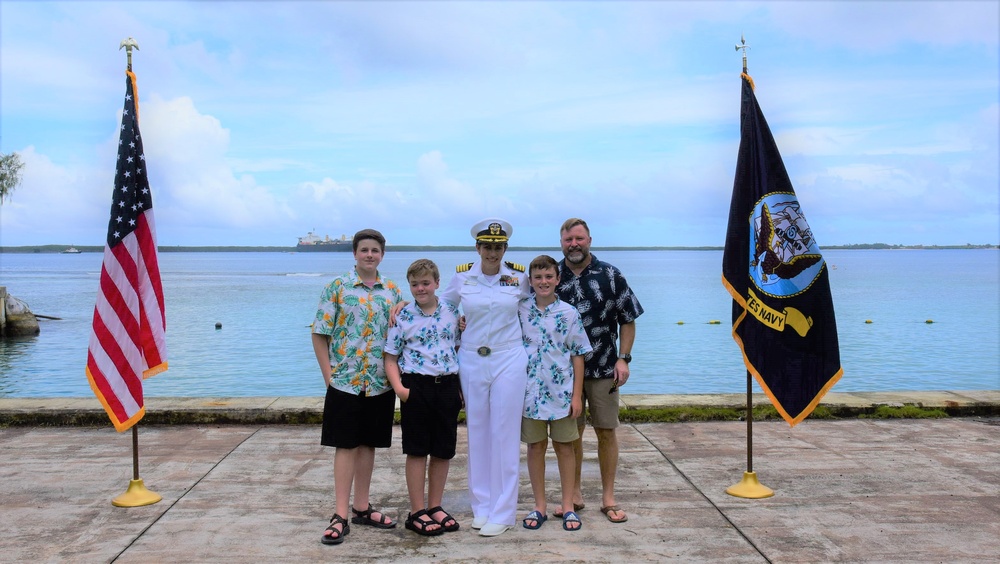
(128, 342)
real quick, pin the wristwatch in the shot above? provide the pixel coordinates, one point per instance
(627, 357)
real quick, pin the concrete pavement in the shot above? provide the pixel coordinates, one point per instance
(845, 491)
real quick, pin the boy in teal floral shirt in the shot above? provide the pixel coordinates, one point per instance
(422, 366)
(555, 342)
(348, 336)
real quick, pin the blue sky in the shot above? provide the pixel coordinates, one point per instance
(262, 121)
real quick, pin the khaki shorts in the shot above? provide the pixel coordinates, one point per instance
(603, 406)
(561, 430)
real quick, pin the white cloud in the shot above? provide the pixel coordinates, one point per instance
(264, 120)
(56, 204)
(441, 193)
(191, 179)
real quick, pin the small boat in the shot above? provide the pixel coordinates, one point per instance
(71, 250)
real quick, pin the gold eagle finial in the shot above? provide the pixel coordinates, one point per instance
(128, 44)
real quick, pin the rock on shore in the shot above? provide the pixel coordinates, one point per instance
(18, 320)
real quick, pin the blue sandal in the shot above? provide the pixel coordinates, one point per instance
(537, 517)
(570, 517)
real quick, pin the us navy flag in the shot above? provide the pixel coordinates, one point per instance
(782, 308)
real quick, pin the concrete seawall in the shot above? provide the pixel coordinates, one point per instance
(309, 410)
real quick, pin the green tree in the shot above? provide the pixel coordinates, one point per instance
(10, 174)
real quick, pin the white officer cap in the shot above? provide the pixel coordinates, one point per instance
(492, 230)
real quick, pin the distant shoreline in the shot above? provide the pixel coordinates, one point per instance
(455, 248)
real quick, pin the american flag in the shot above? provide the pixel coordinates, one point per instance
(128, 342)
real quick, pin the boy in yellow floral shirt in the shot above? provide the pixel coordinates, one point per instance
(348, 337)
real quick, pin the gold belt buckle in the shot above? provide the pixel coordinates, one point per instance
(483, 351)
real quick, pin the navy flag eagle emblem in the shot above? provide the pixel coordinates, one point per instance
(783, 318)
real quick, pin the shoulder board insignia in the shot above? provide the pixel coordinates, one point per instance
(463, 267)
(514, 266)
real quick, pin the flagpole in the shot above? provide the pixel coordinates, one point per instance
(135, 452)
(749, 487)
(136, 495)
(749, 426)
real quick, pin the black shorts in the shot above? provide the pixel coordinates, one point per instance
(430, 416)
(350, 421)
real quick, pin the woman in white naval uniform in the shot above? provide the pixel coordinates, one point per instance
(493, 371)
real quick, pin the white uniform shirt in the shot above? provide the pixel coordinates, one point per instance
(490, 307)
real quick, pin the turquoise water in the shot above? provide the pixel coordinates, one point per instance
(265, 302)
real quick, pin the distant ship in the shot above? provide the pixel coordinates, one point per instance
(71, 251)
(312, 242)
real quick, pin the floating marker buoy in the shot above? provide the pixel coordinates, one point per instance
(218, 325)
(868, 321)
(714, 322)
(680, 323)
(929, 321)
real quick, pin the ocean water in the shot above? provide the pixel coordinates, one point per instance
(265, 302)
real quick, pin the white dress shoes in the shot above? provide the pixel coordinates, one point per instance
(478, 522)
(493, 529)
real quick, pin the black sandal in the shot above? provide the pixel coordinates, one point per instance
(334, 521)
(365, 518)
(447, 517)
(419, 521)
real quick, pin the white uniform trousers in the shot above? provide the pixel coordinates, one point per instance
(494, 403)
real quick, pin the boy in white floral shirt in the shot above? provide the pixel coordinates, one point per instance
(555, 342)
(422, 367)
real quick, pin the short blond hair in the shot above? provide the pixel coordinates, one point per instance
(421, 267)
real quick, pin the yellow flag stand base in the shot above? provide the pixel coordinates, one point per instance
(750, 488)
(136, 495)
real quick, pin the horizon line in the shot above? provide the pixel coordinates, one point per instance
(56, 248)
